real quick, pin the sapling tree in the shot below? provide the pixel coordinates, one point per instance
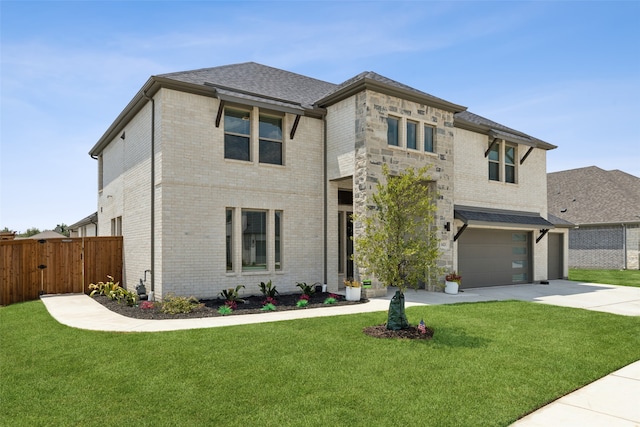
(398, 242)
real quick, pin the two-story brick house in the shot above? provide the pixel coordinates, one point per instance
(246, 173)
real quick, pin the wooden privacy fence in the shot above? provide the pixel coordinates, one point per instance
(30, 268)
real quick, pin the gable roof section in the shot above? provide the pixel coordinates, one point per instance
(268, 87)
(378, 83)
(594, 196)
(470, 121)
(259, 81)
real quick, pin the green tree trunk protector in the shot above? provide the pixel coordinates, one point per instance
(397, 319)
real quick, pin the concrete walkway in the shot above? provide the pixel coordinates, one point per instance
(613, 400)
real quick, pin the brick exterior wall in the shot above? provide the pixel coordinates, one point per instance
(604, 247)
(529, 193)
(195, 184)
(126, 194)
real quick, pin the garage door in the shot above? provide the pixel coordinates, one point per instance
(494, 257)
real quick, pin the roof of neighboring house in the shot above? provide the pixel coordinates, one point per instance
(91, 219)
(592, 195)
(269, 87)
(47, 234)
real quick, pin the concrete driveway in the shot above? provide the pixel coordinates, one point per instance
(621, 300)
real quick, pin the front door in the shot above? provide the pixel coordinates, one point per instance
(345, 245)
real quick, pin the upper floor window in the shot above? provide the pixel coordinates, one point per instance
(392, 131)
(270, 140)
(494, 162)
(428, 139)
(237, 134)
(510, 164)
(412, 135)
(502, 163)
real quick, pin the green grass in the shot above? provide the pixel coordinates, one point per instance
(488, 365)
(607, 277)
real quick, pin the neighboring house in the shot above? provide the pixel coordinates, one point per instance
(605, 208)
(44, 235)
(86, 227)
(244, 173)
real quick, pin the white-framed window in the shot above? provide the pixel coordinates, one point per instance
(393, 131)
(229, 237)
(237, 134)
(116, 226)
(254, 240)
(277, 233)
(270, 148)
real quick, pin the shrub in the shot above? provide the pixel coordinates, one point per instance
(302, 303)
(330, 300)
(224, 310)
(268, 307)
(108, 289)
(268, 290)
(113, 291)
(147, 305)
(306, 289)
(231, 294)
(173, 304)
(270, 300)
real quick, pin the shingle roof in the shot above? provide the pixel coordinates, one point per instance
(382, 81)
(253, 78)
(501, 131)
(594, 196)
(282, 90)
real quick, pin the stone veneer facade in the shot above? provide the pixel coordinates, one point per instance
(371, 150)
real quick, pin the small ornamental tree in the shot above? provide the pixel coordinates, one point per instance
(399, 244)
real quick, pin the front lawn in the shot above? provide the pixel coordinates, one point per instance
(607, 277)
(488, 365)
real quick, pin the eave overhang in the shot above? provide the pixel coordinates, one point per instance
(511, 136)
(369, 84)
(155, 83)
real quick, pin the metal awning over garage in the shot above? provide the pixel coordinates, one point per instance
(494, 217)
(499, 218)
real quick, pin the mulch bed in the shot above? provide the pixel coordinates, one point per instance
(412, 333)
(252, 305)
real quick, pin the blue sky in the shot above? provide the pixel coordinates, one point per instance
(565, 72)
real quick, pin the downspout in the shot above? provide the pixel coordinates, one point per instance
(153, 193)
(326, 192)
(624, 246)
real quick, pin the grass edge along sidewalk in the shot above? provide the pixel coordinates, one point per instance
(488, 364)
(606, 277)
